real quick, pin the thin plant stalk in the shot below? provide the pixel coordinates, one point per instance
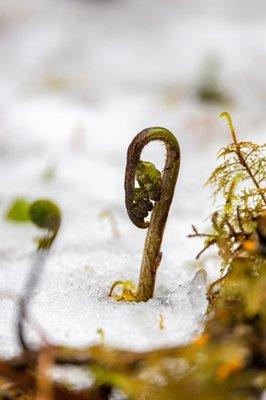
(33, 279)
(46, 215)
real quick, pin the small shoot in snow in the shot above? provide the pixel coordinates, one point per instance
(153, 195)
(101, 334)
(46, 215)
(128, 292)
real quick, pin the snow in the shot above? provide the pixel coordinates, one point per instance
(78, 79)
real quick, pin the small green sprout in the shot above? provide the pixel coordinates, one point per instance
(128, 292)
(18, 210)
(101, 334)
(43, 213)
(46, 215)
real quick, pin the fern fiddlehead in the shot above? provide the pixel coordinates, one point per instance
(156, 187)
(46, 215)
(240, 178)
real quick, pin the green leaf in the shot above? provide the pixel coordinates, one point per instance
(19, 211)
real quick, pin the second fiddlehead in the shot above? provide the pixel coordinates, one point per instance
(46, 215)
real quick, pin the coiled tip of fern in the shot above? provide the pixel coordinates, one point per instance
(46, 215)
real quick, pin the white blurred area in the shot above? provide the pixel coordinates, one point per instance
(78, 79)
(89, 48)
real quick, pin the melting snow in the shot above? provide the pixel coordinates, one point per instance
(77, 81)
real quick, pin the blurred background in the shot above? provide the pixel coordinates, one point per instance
(78, 79)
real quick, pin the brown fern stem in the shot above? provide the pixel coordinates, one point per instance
(152, 254)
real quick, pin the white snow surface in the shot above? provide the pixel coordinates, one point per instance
(78, 79)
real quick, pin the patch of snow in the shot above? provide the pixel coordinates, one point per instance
(78, 79)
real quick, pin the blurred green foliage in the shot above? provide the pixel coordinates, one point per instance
(19, 210)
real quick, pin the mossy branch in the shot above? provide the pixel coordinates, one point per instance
(242, 157)
(240, 178)
(153, 187)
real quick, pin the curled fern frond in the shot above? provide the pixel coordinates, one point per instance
(46, 215)
(153, 196)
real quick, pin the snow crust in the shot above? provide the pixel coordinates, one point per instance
(78, 79)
